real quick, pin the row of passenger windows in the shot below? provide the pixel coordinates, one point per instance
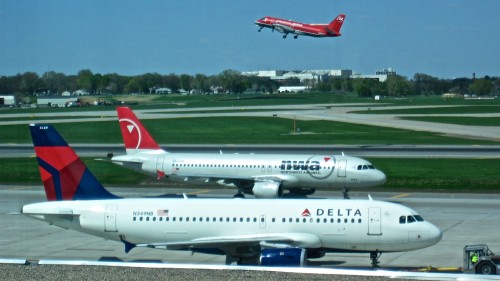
(410, 219)
(238, 166)
(234, 219)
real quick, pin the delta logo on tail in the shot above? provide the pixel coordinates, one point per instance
(64, 175)
(298, 28)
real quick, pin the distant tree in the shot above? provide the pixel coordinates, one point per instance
(397, 86)
(425, 84)
(172, 81)
(481, 87)
(133, 86)
(30, 82)
(85, 80)
(186, 81)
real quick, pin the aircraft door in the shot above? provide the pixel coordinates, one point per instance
(110, 218)
(269, 168)
(262, 221)
(374, 222)
(342, 168)
(159, 163)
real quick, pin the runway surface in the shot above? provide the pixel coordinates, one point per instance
(463, 218)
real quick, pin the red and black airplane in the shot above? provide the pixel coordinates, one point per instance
(297, 28)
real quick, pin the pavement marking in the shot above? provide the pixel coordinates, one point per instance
(198, 192)
(401, 195)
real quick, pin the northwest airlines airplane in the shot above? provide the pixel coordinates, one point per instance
(253, 231)
(263, 175)
(297, 28)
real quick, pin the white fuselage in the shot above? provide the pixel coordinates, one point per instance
(308, 171)
(346, 225)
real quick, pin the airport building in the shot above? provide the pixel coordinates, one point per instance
(320, 75)
(380, 75)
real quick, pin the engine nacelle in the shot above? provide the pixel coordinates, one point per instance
(283, 257)
(267, 189)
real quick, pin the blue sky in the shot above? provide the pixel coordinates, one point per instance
(443, 38)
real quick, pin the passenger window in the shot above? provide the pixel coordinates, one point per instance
(402, 219)
(411, 219)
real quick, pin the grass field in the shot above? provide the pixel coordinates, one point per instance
(240, 130)
(405, 175)
(467, 121)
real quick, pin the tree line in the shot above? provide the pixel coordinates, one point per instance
(231, 81)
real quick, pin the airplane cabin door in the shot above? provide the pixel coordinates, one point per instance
(262, 221)
(110, 218)
(342, 168)
(159, 163)
(374, 221)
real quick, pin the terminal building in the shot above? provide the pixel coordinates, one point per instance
(320, 75)
(302, 75)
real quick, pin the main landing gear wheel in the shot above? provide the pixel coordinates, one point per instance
(239, 195)
(345, 192)
(374, 256)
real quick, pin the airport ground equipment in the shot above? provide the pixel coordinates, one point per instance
(487, 262)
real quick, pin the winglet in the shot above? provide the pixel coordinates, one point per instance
(64, 175)
(135, 136)
(370, 197)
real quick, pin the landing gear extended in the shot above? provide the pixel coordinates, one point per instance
(345, 192)
(374, 256)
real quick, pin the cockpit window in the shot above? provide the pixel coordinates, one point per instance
(410, 219)
(418, 218)
(402, 219)
(365, 167)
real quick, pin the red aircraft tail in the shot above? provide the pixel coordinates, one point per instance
(135, 136)
(335, 26)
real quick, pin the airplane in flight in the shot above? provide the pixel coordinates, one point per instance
(269, 232)
(263, 175)
(297, 28)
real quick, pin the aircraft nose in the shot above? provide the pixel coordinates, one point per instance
(435, 234)
(379, 177)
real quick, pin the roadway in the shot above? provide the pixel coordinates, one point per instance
(463, 218)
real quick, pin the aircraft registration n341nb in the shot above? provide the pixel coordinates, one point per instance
(270, 232)
(263, 175)
(298, 28)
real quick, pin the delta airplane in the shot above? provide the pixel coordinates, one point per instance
(263, 175)
(254, 231)
(297, 28)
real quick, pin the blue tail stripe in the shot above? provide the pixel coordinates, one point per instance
(49, 136)
(55, 177)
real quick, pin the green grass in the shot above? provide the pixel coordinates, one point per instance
(436, 175)
(240, 130)
(438, 110)
(451, 175)
(467, 121)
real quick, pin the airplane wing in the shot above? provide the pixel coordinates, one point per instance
(283, 28)
(233, 178)
(275, 240)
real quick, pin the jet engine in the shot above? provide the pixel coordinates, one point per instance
(267, 189)
(283, 257)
